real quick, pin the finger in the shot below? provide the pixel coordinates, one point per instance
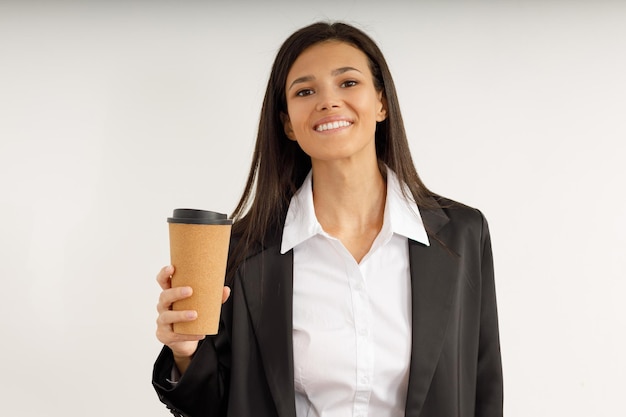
(170, 337)
(164, 277)
(165, 332)
(225, 294)
(169, 317)
(166, 335)
(170, 295)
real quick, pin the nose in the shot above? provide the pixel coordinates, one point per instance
(327, 99)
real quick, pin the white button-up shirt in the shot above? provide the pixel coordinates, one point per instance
(351, 321)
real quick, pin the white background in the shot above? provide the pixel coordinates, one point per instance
(114, 113)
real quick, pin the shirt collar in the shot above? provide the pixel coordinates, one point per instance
(401, 216)
(401, 212)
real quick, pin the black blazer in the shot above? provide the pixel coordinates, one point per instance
(455, 371)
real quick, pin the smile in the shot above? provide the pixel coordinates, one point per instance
(333, 125)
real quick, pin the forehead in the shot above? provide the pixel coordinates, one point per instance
(327, 56)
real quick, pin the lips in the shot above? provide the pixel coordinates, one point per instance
(336, 124)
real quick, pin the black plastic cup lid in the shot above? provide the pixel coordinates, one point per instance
(193, 216)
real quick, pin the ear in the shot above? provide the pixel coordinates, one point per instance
(382, 112)
(284, 117)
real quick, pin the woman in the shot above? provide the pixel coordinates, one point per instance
(355, 290)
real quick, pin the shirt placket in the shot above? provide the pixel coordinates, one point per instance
(364, 346)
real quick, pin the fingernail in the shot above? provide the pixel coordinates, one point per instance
(191, 314)
(185, 291)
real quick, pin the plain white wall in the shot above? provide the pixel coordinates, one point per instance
(114, 113)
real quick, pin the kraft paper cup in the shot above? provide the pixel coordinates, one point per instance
(199, 243)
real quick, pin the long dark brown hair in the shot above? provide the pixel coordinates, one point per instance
(279, 166)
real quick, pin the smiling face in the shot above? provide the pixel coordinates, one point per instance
(332, 103)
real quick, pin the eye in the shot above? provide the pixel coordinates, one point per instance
(304, 92)
(349, 83)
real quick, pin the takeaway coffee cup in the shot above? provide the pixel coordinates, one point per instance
(199, 243)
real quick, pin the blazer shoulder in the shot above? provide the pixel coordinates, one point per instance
(242, 252)
(460, 212)
(455, 219)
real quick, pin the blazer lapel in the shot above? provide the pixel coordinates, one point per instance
(270, 301)
(433, 270)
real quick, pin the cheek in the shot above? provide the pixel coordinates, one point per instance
(298, 119)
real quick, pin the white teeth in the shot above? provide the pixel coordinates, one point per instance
(333, 125)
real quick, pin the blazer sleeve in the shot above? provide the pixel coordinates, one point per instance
(489, 384)
(202, 391)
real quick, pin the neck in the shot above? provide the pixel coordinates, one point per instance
(349, 198)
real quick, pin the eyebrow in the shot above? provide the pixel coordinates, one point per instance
(334, 73)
